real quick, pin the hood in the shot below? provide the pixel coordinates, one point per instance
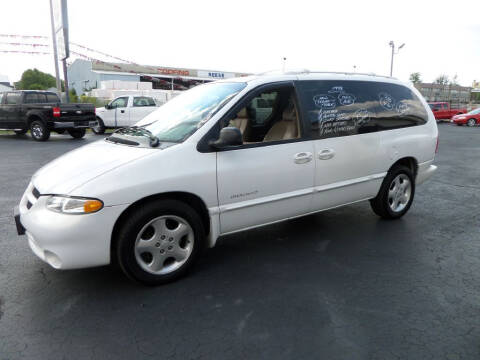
(75, 168)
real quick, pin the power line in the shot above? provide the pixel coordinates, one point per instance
(72, 43)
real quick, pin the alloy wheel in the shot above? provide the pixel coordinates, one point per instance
(399, 193)
(164, 244)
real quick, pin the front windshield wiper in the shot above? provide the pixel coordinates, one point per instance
(134, 130)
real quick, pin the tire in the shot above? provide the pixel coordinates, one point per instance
(20, 132)
(100, 128)
(391, 203)
(77, 133)
(471, 122)
(39, 131)
(166, 255)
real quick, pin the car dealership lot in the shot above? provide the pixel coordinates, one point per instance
(342, 284)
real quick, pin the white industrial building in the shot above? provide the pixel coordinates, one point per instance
(86, 75)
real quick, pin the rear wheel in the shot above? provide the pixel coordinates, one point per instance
(159, 242)
(99, 129)
(77, 133)
(39, 131)
(396, 193)
(471, 122)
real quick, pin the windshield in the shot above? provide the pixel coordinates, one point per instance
(182, 116)
(474, 112)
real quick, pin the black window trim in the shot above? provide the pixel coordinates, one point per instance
(203, 145)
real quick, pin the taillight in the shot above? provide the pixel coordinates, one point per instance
(436, 147)
(56, 112)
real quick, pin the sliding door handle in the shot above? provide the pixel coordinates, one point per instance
(326, 154)
(303, 157)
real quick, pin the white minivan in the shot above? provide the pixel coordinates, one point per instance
(151, 196)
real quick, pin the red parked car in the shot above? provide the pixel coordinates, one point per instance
(470, 119)
(442, 110)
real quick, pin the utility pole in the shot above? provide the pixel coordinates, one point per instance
(392, 45)
(55, 56)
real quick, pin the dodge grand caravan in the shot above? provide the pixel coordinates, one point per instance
(210, 163)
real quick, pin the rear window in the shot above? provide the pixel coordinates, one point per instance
(343, 108)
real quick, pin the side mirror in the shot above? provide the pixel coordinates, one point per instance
(108, 106)
(229, 137)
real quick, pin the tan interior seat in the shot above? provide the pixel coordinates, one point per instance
(287, 128)
(241, 120)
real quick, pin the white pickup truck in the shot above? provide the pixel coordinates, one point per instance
(123, 111)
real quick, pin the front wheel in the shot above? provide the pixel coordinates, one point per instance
(396, 193)
(39, 131)
(159, 242)
(471, 122)
(77, 133)
(99, 129)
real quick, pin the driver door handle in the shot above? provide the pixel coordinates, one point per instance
(326, 154)
(122, 111)
(303, 157)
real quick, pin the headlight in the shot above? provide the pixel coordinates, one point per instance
(73, 205)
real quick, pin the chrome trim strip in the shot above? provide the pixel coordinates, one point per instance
(265, 199)
(296, 193)
(345, 183)
(292, 217)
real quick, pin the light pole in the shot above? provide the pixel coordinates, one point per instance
(392, 45)
(284, 59)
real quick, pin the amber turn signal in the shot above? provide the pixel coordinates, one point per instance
(92, 206)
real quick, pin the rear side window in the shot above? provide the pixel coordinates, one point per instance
(31, 98)
(12, 98)
(143, 101)
(52, 98)
(342, 108)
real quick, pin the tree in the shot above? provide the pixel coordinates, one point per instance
(415, 77)
(34, 79)
(442, 79)
(454, 80)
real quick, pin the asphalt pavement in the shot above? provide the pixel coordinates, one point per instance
(342, 284)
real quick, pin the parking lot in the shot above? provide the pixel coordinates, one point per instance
(341, 284)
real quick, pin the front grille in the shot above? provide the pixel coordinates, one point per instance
(31, 196)
(36, 193)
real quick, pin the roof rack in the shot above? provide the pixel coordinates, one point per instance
(306, 71)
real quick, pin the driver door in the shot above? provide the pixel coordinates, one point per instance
(118, 114)
(270, 177)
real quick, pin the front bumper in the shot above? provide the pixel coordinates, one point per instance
(68, 241)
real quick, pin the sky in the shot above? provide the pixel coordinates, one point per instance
(441, 37)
